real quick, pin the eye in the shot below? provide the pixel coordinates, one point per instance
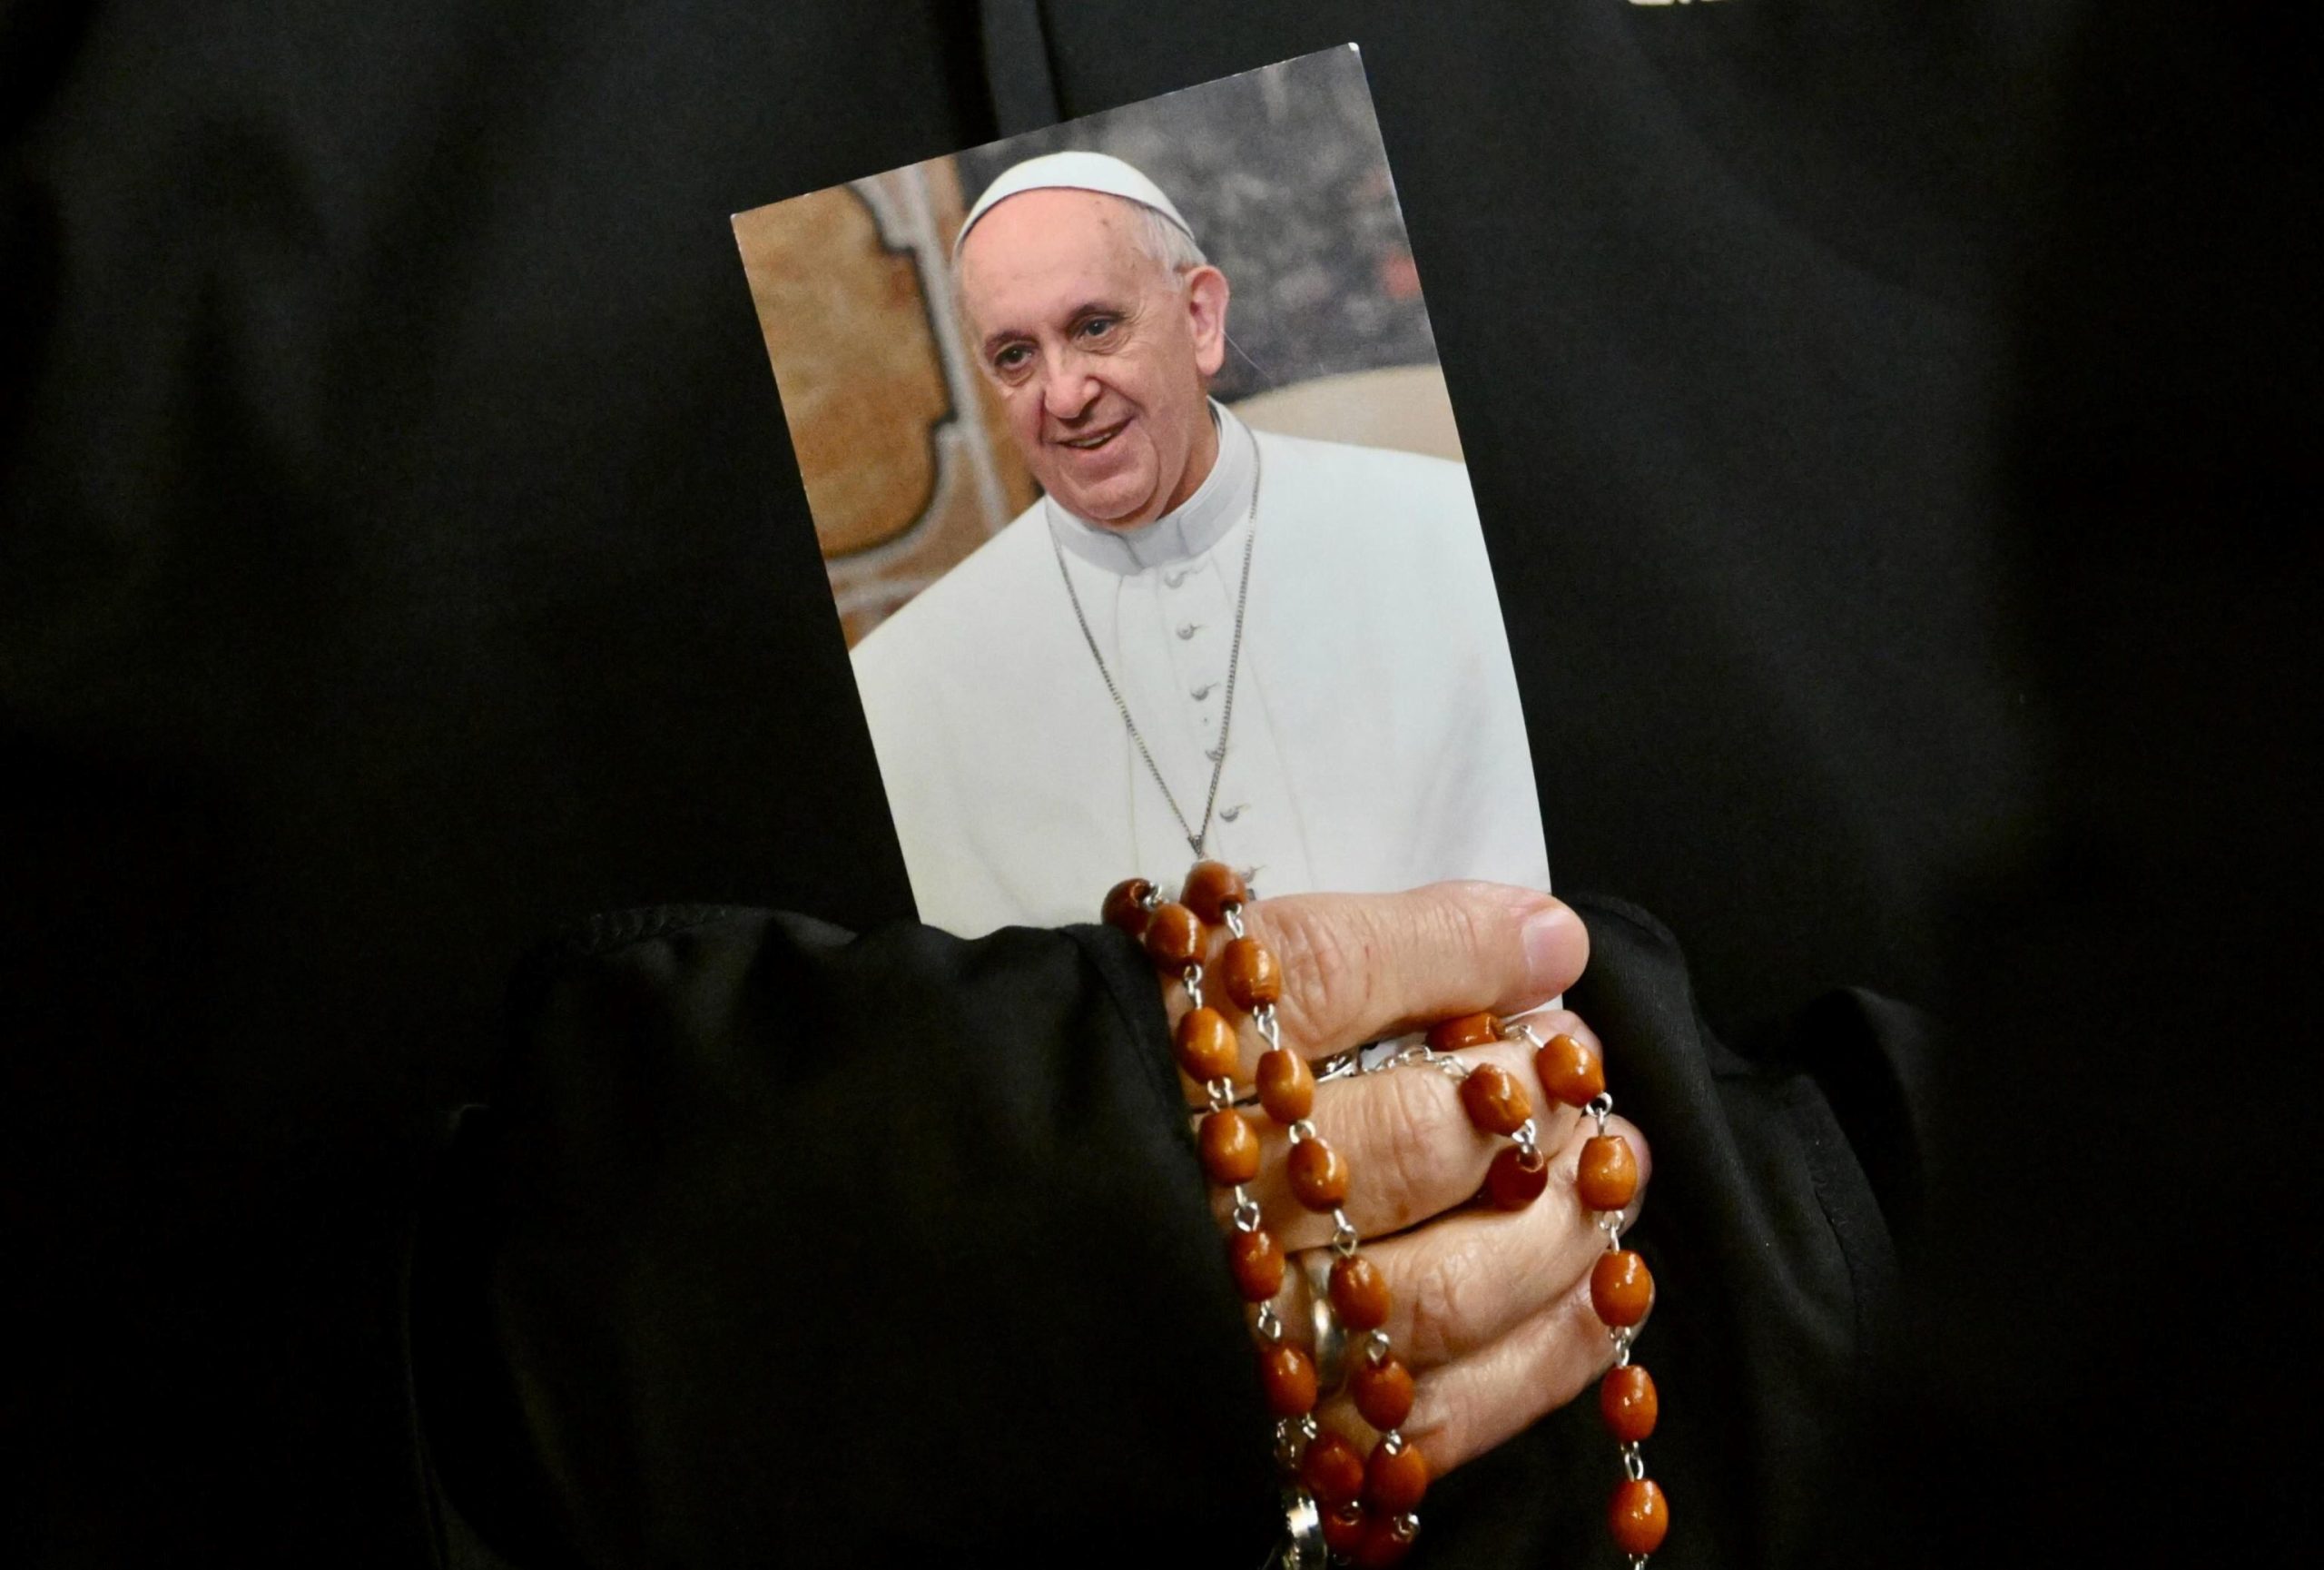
(1011, 359)
(1097, 329)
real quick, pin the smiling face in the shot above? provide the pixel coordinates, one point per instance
(1100, 355)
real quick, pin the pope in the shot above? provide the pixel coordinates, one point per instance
(1202, 640)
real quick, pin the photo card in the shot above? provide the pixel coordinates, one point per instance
(1132, 467)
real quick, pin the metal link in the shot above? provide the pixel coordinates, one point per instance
(1420, 1055)
(1270, 1327)
(1151, 900)
(1191, 979)
(1524, 1029)
(1222, 1094)
(1300, 1133)
(1634, 1463)
(1247, 1211)
(1612, 1222)
(1233, 915)
(1405, 1528)
(1622, 1339)
(1528, 1140)
(1391, 1442)
(1343, 1238)
(1269, 1028)
(1376, 1347)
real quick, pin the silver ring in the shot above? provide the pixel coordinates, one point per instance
(1331, 1338)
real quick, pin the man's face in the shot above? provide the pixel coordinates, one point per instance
(1099, 354)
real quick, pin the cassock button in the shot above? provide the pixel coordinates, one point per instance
(1188, 630)
(1204, 691)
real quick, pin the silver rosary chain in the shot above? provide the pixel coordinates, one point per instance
(1234, 669)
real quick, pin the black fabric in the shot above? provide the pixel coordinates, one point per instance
(784, 1244)
(1873, 407)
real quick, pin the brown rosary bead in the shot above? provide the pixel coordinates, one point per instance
(1344, 1529)
(1256, 1260)
(1318, 1175)
(1516, 1179)
(1571, 1070)
(1125, 905)
(1286, 1085)
(1249, 974)
(1173, 937)
(1638, 1517)
(1621, 1289)
(1394, 1484)
(1289, 1377)
(1607, 1178)
(1211, 887)
(1496, 1103)
(1383, 1392)
(1359, 1293)
(1205, 1047)
(1381, 1543)
(1230, 1150)
(1626, 1399)
(1332, 1470)
(1468, 1030)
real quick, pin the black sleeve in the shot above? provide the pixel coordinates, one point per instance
(786, 1245)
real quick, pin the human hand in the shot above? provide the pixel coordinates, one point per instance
(1490, 1310)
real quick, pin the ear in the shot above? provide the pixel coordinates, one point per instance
(1206, 294)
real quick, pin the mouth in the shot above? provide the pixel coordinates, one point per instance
(1095, 439)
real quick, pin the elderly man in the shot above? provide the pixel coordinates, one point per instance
(1203, 640)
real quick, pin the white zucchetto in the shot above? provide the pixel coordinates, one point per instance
(1071, 172)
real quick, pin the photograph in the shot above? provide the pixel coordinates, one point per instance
(1133, 468)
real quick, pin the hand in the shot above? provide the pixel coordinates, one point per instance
(1491, 1310)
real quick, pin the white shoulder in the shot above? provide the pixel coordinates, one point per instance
(952, 617)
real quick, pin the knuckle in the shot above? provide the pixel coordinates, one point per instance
(1440, 1307)
(1327, 969)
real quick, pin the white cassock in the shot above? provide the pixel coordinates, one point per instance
(1376, 743)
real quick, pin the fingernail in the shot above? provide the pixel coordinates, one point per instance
(1549, 948)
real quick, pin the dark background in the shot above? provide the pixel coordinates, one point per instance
(1892, 425)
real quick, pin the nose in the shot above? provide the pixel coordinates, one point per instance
(1067, 388)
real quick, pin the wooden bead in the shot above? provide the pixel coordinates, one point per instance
(1205, 1046)
(1125, 905)
(1286, 1085)
(1607, 1178)
(1332, 1470)
(1394, 1484)
(1257, 1259)
(1638, 1517)
(1230, 1150)
(1626, 1399)
(1516, 1179)
(1359, 1293)
(1382, 1544)
(1249, 974)
(1318, 1175)
(1468, 1030)
(1173, 937)
(1496, 1103)
(1211, 887)
(1344, 1529)
(1289, 1378)
(1571, 1070)
(1383, 1392)
(1620, 1287)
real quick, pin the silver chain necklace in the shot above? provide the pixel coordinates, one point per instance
(1196, 838)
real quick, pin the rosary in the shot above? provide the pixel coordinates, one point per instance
(1342, 1503)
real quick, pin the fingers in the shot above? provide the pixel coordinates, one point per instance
(1494, 1315)
(1360, 967)
(1462, 1284)
(1410, 1149)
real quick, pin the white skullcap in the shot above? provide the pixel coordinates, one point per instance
(1071, 172)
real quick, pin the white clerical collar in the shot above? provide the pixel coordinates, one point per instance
(1222, 500)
